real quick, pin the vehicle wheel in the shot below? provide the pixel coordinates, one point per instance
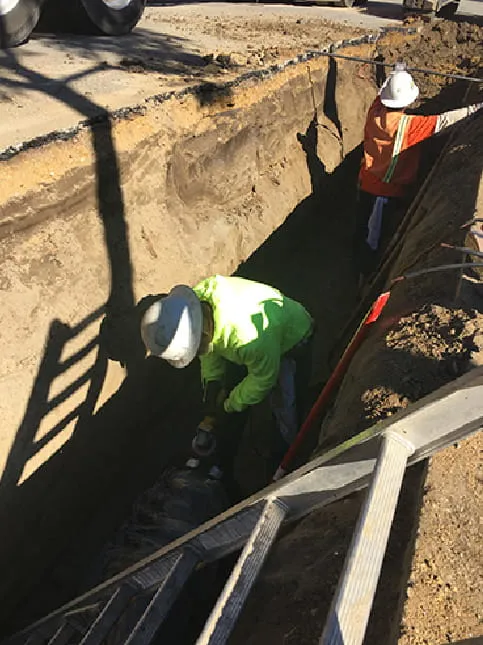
(360, 3)
(448, 11)
(114, 17)
(98, 17)
(17, 20)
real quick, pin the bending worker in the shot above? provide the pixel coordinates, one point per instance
(391, 162)
(252, 342)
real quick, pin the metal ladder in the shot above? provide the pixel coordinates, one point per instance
(377, 457)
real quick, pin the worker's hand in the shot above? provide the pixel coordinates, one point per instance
(204, 441)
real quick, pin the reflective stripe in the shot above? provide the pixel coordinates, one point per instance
(397, 148)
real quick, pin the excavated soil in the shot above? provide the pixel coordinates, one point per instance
(254, 40)
(446, 47)
(444, 595)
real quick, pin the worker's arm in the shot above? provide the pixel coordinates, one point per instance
(263, 364)
(423, 127)
(447, 119)
(212, 368)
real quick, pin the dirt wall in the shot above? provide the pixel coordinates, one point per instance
(186, 187)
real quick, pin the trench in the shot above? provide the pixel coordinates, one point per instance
(308, 258)
(194, 185)
(305, 251)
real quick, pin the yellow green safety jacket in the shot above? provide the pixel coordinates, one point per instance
(254, 325)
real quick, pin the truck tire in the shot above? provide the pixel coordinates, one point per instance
(114, 17)
(96, 17)
(17, 21)
(448, 11)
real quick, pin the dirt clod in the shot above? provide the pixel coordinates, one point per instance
(444, 337)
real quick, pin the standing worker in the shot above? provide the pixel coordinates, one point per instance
(252, 341)
(391, 161)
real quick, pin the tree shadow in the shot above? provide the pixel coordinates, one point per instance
(68, 68)
(162, 52)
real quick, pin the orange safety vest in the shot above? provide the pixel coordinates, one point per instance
(391, 154)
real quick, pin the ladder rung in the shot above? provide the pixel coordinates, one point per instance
(109, 614)
(62, 635)
(351, 606)
(163, 599)
(82, 617)
(230, 603)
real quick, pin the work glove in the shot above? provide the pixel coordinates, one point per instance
(204, 441)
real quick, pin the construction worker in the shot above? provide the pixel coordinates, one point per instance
(252, 342)
(391, 161)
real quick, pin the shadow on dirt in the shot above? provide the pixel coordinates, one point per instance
(165, 53)
(141, 52)
(118, 451)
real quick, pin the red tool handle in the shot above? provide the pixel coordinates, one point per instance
(334, 380)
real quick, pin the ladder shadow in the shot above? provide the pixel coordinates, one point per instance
(27, 444)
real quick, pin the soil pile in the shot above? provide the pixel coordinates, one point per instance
(253, 40)
(446, 47)
(443, 338)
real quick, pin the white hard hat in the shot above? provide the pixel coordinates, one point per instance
(171, 328)
(399, 90)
